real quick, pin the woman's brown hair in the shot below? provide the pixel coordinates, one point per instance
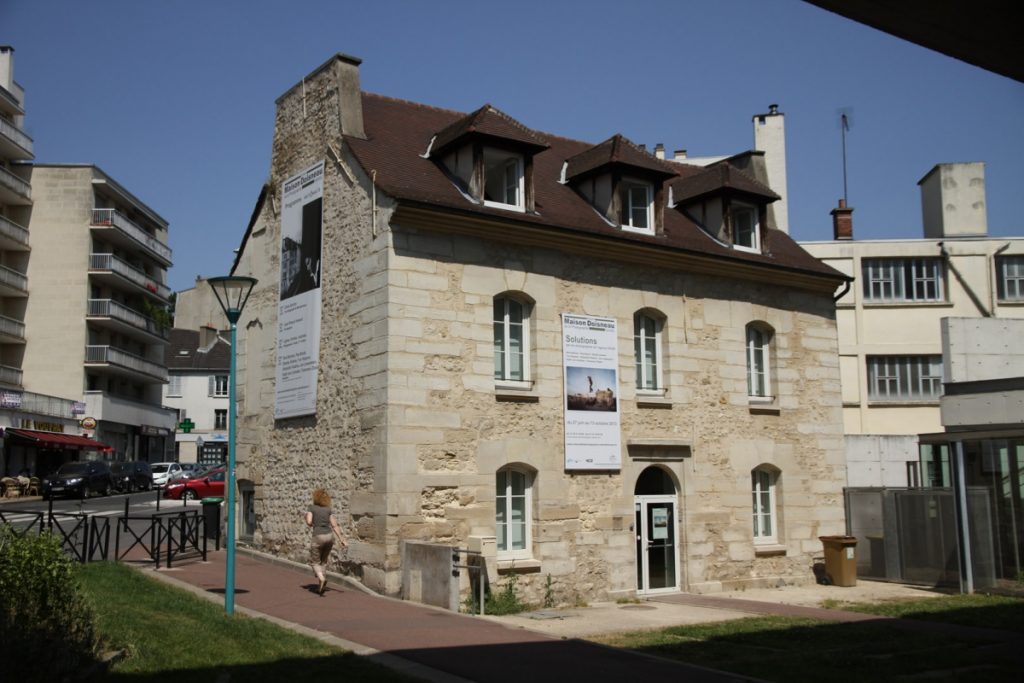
(321, 498)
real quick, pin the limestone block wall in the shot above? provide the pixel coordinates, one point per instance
(448, 433)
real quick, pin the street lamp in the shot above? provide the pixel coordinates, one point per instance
(232, 292)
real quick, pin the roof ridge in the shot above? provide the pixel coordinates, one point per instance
(419, 105)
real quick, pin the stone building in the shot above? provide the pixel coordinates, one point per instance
(457, 251)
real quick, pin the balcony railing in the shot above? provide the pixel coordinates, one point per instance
(41, 404)
(114, 356)
(128, 271)
(12, 327)
(108, 308)
(16, 135)
(13, 231)
(9, 375)
(116, 219)
(15, 184)
(12, 278)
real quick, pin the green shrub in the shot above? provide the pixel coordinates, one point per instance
(47, 630)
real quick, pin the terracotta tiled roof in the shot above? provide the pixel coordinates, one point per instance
(718, 178)
(398, 132)
(184, 353)
(489, 122)
(617, 150)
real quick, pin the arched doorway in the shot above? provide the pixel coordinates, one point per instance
(657, 533)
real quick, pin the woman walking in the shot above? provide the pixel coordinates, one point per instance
(321, 520)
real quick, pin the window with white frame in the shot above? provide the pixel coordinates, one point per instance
(174, 385)
(218, 385)
(637, 203)
(647, 331)
(903, 279)
(503, 179)
(512, 502)
(904, 378)
(759, 339)
(1011, 278)
(220, 419)
(745, 229)
(762, 483)
(511, 339)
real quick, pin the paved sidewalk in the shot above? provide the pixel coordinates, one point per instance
(422, 641)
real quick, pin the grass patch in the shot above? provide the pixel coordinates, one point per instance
(983, 611)
(169, 634)
(779, 648)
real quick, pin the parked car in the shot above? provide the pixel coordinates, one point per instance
(189, 470)
(208, 483)
(165, 472)
(80, 479)
(135, 475)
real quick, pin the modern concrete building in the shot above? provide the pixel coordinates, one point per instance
(890, 321)
(40, 429)
(96, 321)
(198, 362)
(468, 263)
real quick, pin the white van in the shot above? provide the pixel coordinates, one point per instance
(165, 472)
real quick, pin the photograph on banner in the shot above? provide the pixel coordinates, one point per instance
(593, 430)
(298, 320)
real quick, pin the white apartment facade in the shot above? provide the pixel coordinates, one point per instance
(890, 319)
(198, 363)
(99, 267)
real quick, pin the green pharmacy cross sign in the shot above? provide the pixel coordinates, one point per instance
(186, 425)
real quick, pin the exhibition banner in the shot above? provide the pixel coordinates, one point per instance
(590, 363)
(298, 312)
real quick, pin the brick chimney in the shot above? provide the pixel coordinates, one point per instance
(842, 222)
(207, 336)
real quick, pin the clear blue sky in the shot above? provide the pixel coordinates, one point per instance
(175, 100)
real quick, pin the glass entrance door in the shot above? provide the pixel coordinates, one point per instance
(656, 547)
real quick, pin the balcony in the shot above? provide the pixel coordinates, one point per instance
(14, 190)
(9, 103)
(118, 362)
(10, 376)
(109, 408)
(116, 272)
(115, 316)
(12, 283)
(11, 331)
(13, 237)
(14, 143)
(119, 229)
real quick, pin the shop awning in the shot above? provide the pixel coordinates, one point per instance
(57, 440)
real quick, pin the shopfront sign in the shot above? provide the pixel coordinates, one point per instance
(590, 357)
(10, 399)
(298, 310)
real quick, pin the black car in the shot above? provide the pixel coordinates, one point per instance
(135, 475)
(80, 479)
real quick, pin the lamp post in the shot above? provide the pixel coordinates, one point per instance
(232, 292)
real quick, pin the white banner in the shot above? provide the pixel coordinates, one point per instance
(298, 313)
(590, 362)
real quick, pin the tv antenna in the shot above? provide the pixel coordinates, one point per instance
(845, 123)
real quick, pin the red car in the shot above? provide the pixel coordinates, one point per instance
(208, 483)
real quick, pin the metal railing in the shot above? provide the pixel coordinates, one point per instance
(16, 135)
(163, 535)
(108, 308)
(9, 375)
(12, 327)
(12, 230)
(129, 272)
(13, 278)
(116, 219)
(52, 406)
(115, 356)
(15, 184)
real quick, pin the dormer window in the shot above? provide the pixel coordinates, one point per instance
(503, 179)
(745, 228)
(637, 206)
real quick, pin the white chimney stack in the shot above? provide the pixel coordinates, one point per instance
(770, 138)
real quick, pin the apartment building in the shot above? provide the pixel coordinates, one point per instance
(96, 322)
(890, 320)
(606, 370)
